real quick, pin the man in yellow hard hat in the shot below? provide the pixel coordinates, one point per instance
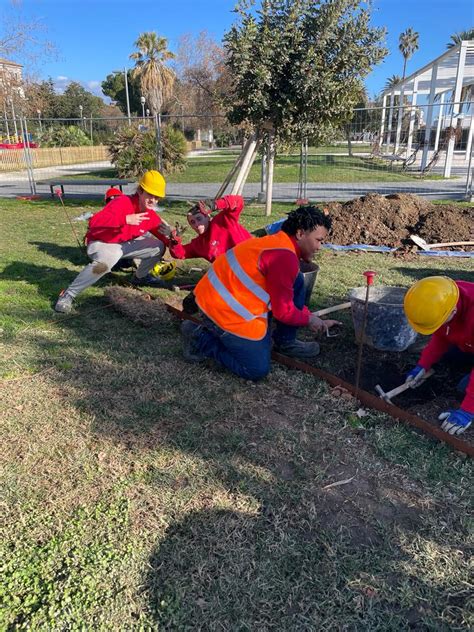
(444, 308)
(121, 230)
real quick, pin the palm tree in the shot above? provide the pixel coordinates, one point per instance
(391, 82)
(156, 79)
(407, 45)
(457, 38)
(467, 91)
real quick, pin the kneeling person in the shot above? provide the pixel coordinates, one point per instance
(445, 308)
(241, 288)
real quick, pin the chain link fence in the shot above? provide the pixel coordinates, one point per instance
(424, 150)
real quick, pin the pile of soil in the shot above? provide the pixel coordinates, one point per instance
(389, 220)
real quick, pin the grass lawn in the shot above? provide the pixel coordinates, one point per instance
(142, 493)
(321, 168)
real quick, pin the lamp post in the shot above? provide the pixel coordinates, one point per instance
(80, 114)
(14, 118)
(39, 120)
(142, 101)
(147, 112)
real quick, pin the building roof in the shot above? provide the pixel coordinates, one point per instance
(7, 62)
(447, 64)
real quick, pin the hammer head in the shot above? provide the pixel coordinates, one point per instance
(382, 394)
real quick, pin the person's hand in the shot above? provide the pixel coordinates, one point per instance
(456, 421)
(134, 219)
(318, 324)
(416, 376)
(205, 206)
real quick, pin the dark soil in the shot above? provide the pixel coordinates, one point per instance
(390, 220)
(438, 394)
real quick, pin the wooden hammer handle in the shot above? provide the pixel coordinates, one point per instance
(406, 385)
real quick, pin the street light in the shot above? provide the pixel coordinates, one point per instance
(80, 114)
(14, 118)
(147, 112)
(142, 101)
(39, 120)
(125, 74)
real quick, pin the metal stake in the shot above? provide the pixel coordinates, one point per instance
(369, 275)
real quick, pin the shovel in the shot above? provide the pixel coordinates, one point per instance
(421, 243)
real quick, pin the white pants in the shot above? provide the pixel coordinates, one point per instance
(104, 256)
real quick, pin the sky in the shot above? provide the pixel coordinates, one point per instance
(95, 37)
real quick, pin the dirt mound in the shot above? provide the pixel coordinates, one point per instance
(389, 220)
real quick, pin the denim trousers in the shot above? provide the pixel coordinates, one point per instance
(249, 359)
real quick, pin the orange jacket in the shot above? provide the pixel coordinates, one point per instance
(233, 293)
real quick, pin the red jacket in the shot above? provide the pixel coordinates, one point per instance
(224, 232)
(458, 332)
(109, 225)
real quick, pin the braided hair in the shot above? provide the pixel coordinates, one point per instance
(306, 218)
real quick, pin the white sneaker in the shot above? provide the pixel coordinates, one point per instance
(64, 303)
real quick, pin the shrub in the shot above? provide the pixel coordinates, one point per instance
(134, 150)
(63, 136)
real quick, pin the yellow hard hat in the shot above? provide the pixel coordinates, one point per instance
(429, 302)
(153, 182)
(165, 270)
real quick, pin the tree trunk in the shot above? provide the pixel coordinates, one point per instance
(349, 142)
(270, 163)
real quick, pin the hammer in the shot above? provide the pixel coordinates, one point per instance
(387, 397)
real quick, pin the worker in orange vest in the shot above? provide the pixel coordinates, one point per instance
(249, 283)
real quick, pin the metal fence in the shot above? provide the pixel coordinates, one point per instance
(425, 150)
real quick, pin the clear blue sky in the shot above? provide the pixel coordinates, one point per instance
(94, 37)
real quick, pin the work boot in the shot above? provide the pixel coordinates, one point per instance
(150, 281)
(189, 332)
(298, 349)
(64, 303)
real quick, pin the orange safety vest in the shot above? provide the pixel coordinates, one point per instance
(233, 293)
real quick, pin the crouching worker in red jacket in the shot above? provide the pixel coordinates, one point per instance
(216, 235)
(119, 231)
(244, 284)
(445, 308)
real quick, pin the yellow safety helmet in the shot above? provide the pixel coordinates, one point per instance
(165, 270)
(153, 182)
(429, 302)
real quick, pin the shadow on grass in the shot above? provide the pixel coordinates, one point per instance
(73, 254)
(255, 541)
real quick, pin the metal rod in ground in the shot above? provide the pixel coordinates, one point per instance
(361, 342)
(367, 399)
(81, 246)
(369, 278)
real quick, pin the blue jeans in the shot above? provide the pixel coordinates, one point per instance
(249, 359)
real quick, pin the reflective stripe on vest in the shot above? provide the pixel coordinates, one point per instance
(244, 278)
(227, 297)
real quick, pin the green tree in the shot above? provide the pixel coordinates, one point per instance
(74, 96)
(114, 87)
(134, 150)
(408, 43)
(298, 65)
(156, 79)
